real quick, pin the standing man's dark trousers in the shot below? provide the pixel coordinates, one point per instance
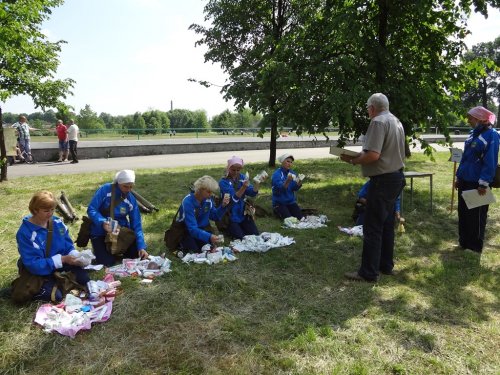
(73, 150)
(471, 223)
(378, 227)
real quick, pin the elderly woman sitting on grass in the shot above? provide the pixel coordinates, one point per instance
(45, 247)
(235, 185)
(285, 183)
(124, 209)
(196, 211)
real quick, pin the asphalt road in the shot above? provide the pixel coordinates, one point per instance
(165, 161)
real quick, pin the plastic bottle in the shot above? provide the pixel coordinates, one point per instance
(93, 289)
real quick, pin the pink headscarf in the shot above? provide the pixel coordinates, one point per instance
(234, 160)
(482, 114)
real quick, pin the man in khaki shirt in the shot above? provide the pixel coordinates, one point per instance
(382, 160)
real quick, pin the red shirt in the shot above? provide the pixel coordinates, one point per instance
(62, 131)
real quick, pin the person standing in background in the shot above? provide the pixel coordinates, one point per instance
(23, 137)
(73, 131)
(382, 160)
(476, 171)
(62, 135)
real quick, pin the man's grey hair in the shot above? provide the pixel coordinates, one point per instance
(379, 101)
(207, 183)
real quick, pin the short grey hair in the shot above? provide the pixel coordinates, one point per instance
(379, 101)
(206, 183)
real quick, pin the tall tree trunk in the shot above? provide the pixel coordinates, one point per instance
(380, 74)
(3, 151)
(484, 92)
(272, 146)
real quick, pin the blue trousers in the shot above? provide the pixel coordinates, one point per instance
(45, 293)
(286, 210)
(192, 245)
(246, 227)
(103, 256)
(378, 227)
(471, 222)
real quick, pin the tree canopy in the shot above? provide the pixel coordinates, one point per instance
(311, 64)
(484, 60)
(28, 61)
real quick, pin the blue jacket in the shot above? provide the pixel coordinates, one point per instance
(363, 193)
(237, 204)
(31, 241)
(280, 194)
(197, 216)
(480, 157)
(124, 208)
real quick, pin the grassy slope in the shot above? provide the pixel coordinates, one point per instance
(287, 311)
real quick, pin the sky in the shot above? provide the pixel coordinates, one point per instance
(130, 56)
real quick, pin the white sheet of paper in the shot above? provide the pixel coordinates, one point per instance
(473, 199)
(94, 267)
(456, 155)
(342, 151)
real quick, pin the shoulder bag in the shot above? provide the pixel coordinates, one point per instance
(118, 244)
(27, 285)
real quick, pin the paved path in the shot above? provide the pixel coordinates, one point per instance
(165, 161)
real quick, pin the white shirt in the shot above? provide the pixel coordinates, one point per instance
(73, 132)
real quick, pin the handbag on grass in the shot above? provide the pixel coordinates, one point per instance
(119, 243)
(83, 237)
(175, 233)
(27, 285)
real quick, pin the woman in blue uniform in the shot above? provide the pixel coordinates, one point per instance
(32, 239)
(476, 171)
(238, 187)
(285, 184)
(196, 211)
(126, 212)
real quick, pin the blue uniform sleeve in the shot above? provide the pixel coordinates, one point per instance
(191, 222)
(397, 205)
(250, 191)
(136, 224)
(490, 159)
(66, 245)
(277, 182)
(216, 213)
(293, 186)
(33, 258)
(31, 246)
(363, 192)
(93, 211)
(226, 187)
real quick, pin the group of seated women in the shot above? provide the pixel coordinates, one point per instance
(113, 208)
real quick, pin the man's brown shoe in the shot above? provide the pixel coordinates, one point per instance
(357, 277)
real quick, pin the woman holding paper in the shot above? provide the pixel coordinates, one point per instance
(285, 183)
(237, 186)
(475, 172)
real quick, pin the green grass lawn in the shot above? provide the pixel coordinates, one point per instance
(288, 311)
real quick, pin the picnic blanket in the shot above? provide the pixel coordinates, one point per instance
(75, 314)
